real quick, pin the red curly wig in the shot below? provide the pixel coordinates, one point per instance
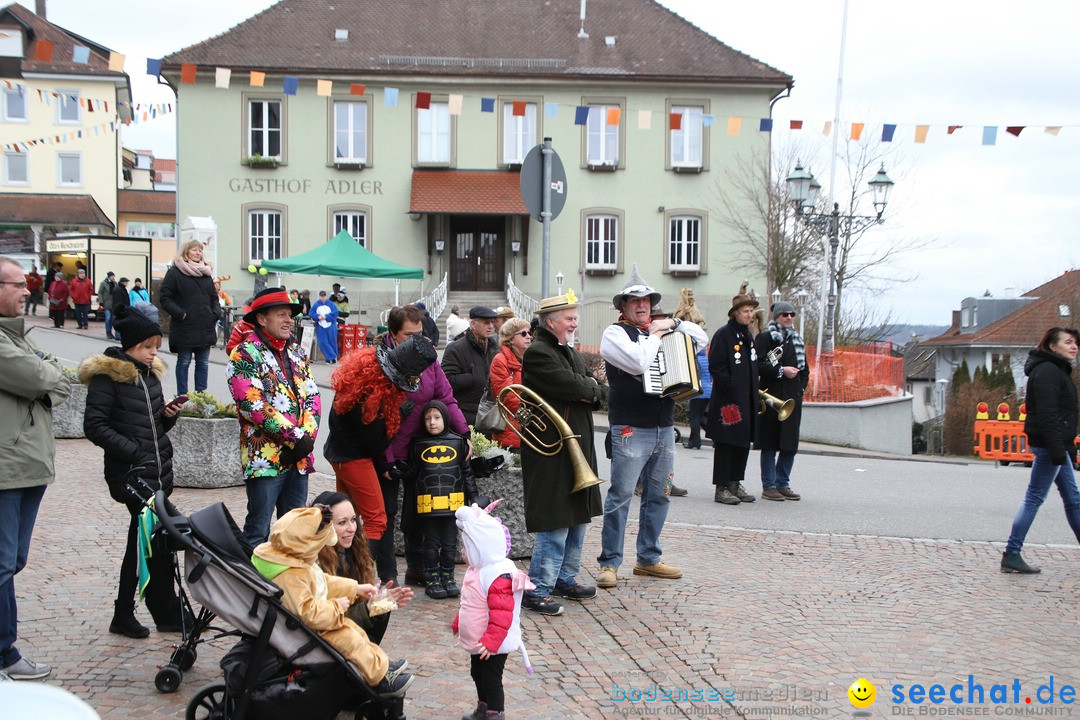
(359, 380)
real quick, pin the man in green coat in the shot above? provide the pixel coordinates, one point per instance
(31, 384)
(559, 517)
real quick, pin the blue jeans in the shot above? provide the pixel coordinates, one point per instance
(556, 558)
(283, 492)
(1043, 473)
(648, 453)
(774, 474)
(108, 323)
(82, 315)
(202, 369)
(18, 511)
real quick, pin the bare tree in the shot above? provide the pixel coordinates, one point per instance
(863, 265)
(760, 215)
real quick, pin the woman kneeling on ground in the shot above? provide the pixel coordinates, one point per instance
(351, 558)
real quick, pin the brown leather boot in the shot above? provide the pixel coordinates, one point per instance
(740, 492)
(723, 495)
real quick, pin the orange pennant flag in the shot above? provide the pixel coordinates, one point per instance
(258, 79)
(43, 50)
(187, 73)
(676, 121)
(613, 115)
(519, 108)
(953, 128)
(920, 133)
(734, 125)
(856, 130)
(796, 125)
(356, 89)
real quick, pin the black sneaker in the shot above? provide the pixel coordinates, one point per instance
(577, 591)
(394, 685)
(544, 605)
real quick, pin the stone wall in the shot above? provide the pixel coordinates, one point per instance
(883, 425)
(206, 453)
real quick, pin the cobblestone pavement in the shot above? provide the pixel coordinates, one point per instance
(763, 623)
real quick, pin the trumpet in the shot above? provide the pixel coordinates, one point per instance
(783, 408)
(534, 416)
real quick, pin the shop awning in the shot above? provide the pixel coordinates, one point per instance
(467, 192)
(55, 210)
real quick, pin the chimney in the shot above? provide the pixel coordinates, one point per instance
(39, 8)
(956, 318)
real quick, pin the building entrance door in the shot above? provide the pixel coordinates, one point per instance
(477, 252)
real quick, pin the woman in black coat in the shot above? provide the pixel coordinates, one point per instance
(734, 403)
(1050, 427)
(188, 295)
(126, 415)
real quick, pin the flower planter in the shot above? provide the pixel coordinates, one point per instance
(68, 415)
(206, 453)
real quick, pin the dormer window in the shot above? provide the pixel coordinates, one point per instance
(1064, 310)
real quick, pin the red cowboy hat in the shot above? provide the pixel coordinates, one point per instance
(270, 298)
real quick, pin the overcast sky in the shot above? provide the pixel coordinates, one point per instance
(1003, 217)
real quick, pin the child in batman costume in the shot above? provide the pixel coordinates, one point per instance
(444, 482)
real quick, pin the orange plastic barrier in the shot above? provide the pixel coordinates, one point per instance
(859, 372)
(1002, 440)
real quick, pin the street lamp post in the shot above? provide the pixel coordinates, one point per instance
(802, 295)
(803, 189)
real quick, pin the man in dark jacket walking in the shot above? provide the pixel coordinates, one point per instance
(120, 302)
(559, 517)
(105, 298)
(784, 375)
(467, 360)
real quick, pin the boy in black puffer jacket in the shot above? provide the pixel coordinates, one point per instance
(126, 415)
(444, 482)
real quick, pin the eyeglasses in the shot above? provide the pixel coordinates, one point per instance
(787, 314)
(20, 285)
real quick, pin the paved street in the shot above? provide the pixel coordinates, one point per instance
(883, 571)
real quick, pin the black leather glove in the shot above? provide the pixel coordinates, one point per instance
(303, 447)
(406, 408)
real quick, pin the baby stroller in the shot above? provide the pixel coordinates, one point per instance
(279, 669)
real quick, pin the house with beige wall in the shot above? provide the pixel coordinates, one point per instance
(410, 133)
(60, 113)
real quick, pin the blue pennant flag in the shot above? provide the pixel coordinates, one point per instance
(887, 132)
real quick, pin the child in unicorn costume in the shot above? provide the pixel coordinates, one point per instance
(488, 623)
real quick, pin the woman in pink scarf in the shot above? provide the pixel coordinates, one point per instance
(188, 295)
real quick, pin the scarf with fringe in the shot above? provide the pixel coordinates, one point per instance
(781, 335)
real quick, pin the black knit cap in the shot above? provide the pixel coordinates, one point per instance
(134, 327)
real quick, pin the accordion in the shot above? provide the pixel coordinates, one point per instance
(674, 370)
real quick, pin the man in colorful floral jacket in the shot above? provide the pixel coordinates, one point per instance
(279, 407)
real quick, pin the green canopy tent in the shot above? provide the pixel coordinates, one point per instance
(342, 256)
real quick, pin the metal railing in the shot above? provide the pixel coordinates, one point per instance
(522, 305)
(434, 301)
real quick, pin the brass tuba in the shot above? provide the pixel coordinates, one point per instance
(783, 408)
(533, 415)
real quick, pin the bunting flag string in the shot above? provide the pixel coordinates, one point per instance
(140, 113)
(734, 125)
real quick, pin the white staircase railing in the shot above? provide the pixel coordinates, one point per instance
(434, 301)
(522, 305)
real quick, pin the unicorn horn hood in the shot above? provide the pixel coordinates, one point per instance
(486, 539)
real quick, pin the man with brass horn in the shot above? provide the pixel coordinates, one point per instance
(786, 378)
(558, 516)
(642, 432)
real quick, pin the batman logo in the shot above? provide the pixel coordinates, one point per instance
(438, 454)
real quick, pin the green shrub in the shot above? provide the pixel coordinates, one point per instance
(202, 404)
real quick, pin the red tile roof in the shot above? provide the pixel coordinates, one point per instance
(1024, 327)
(148, 202)
(56, 210)
(472, 192)
(63, 41)
(525, 38)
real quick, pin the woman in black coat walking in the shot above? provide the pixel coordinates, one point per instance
(188, 295)
(734, 403)
(126, 415)
(1051, 431)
